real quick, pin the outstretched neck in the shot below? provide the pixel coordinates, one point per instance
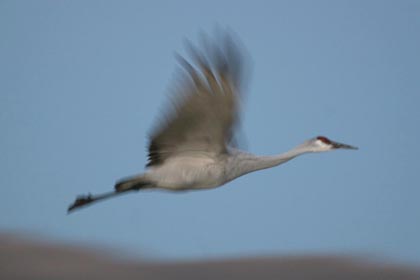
(248, 163)
(263, 162)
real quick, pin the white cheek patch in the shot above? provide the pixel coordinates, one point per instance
(322, 145)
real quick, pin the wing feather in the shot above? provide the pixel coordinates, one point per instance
(205, 110)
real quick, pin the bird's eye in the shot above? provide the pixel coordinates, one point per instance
(324, 139)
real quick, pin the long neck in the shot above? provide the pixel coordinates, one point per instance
(248, 163)
(263, 162)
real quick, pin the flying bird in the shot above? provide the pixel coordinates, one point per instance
(193, 147)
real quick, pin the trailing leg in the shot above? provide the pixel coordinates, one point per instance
(132, 183)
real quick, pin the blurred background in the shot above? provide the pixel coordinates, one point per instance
(83, 81)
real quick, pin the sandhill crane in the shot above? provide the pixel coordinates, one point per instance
(193, 147)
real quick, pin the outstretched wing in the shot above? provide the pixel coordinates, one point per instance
(205, 107)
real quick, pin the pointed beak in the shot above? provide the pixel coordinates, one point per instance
(337, 145)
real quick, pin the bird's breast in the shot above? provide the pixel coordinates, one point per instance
(183, 173)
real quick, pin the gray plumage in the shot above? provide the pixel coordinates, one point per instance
(192, 146)
(205, 109)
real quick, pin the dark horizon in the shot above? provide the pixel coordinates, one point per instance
(22, 258)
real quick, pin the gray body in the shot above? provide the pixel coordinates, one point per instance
(193, 147)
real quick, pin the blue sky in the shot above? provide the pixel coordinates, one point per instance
(83, 81)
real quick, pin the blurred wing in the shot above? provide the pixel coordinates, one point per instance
(205, 108)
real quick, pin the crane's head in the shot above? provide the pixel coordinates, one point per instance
(323, 144)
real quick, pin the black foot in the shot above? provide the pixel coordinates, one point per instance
(80, 201)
